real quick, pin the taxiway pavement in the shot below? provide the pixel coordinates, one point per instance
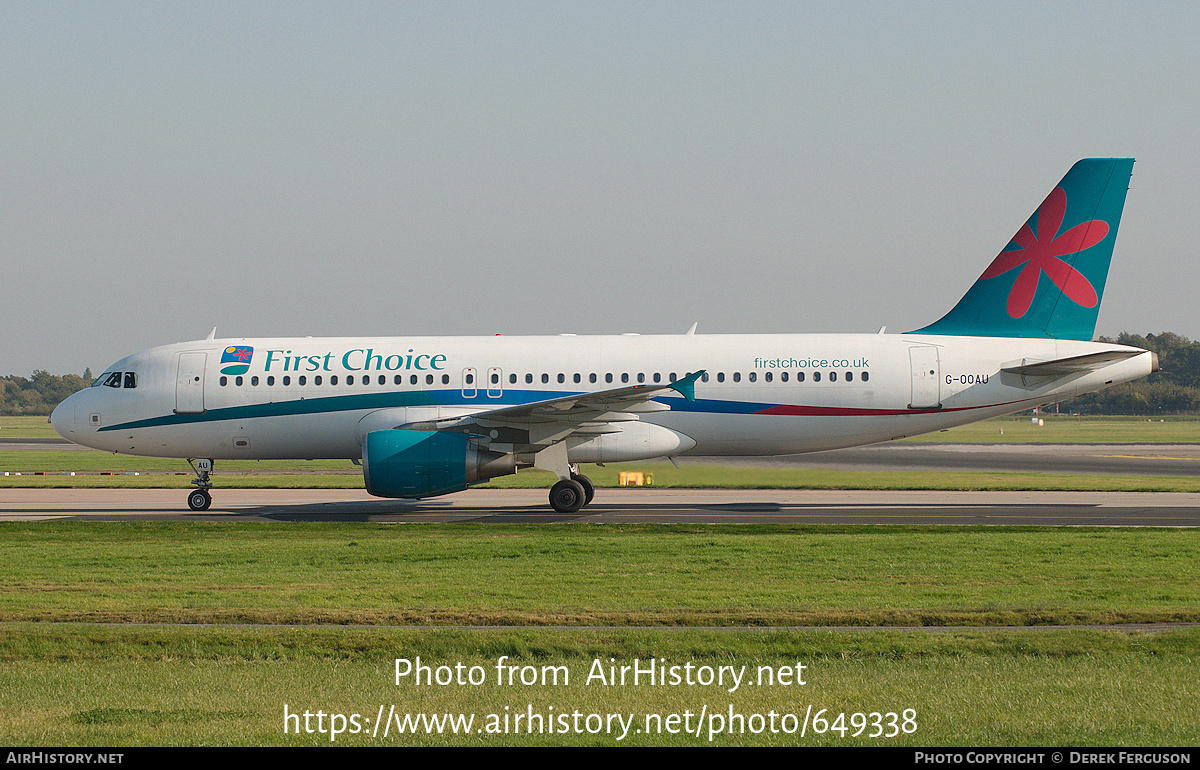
(698, 506)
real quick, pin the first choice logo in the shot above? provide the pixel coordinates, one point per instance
(356, 360)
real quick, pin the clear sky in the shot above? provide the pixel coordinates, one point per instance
(343, 168)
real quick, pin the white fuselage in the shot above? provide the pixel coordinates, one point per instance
(761, 394)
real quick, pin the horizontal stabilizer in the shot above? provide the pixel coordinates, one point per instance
(1063, 366)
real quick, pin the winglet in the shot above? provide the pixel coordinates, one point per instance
(687, 385)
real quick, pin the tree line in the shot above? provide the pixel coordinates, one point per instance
(40, 393)
(1173, 390)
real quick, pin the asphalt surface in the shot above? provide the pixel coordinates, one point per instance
(1123, 509)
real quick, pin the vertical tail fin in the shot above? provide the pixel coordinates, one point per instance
(1049, 280)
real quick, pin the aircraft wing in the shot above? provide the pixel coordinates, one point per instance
(1061, 367)
(541, 423)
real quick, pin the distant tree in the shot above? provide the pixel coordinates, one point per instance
(39, 394)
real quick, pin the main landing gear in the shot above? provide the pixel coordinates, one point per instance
(569, 495)
(199, 499)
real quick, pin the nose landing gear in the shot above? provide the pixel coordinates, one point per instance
(199, 499)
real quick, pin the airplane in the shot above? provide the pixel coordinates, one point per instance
(428, 416)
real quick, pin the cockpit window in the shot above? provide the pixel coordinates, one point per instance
(131, 379)
(113, 380)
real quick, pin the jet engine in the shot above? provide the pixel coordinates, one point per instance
(421, 463)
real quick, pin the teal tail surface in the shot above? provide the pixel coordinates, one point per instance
(1049, 280)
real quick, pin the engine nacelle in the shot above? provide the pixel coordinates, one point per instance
(421, 463)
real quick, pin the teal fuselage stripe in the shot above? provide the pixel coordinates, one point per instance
(372, 401)
(326, 405)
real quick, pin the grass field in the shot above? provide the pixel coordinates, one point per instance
(123, 686)
(615, 593)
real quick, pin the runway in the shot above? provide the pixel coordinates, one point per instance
(723, 506)
(1105, 459)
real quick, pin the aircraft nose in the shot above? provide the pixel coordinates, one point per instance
(63, 418)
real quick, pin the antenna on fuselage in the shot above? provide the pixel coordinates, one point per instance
(212, 335)
(692, 330)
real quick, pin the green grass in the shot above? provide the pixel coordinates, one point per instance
(614, 593)
(1066, 429)
(26, 427)
(124, 686)
(592, 574)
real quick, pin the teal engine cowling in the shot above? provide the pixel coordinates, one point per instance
(421, 463)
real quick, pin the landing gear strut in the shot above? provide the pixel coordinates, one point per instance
(199, 499)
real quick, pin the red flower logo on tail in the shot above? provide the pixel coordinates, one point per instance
(1040, 253)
